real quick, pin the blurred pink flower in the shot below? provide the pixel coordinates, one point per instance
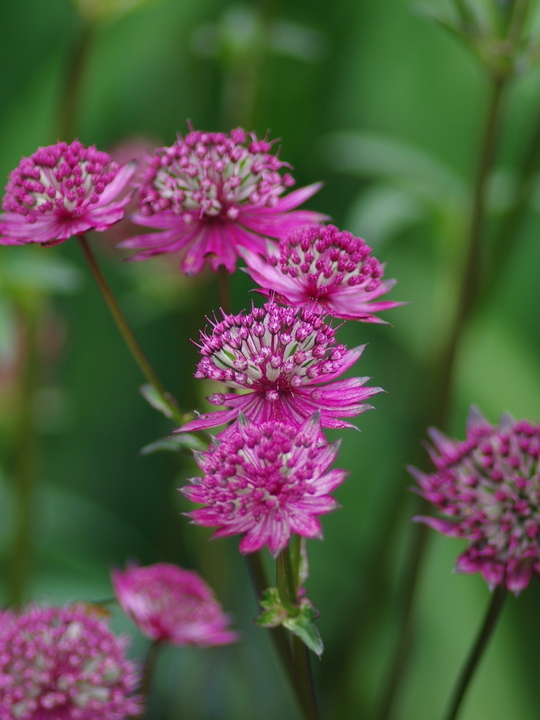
(173, 605)
(64, 664)
(62, 190)
(324, 270)
(488, 487)
(287, 362)
(267, 481)
(212, 194)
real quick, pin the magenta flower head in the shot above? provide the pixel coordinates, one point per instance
(488, 487)
(173, 605)
(326, 271)
(62, 190)
(267, 481)
(64, 664)
(286, 361)
(212, 194)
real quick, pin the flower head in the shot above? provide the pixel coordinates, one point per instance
(62, 190)
(287, 362)
(212, 194)
(64, 664)
(266, 481)
(325, 271)
(488, 487)
(171, 604)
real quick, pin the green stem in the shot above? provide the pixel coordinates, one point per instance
(440, 397)
(149, 668)
(126, 332)
(287, 584)
(224, 290)
(278, 634)
(477, 651)
(305, 678)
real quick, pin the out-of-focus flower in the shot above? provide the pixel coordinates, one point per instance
(62, 190)
(64, 664)
(267, 481)
(488, 487)
(287, 362)
(212, 194)
(326, 271)
(173, 605)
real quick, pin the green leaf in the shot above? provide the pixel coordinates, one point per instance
(274, 613)
(151, 395)
(174, 443)
(303, 626)
(367, 154)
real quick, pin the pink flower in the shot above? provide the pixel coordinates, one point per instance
(62, 190)
(324, 270)
(64, 664)
(287, 362)
(488, 487)
(267, 481)
(173, 605)
(212, 194)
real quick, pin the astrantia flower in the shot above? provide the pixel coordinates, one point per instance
(325, 271)
(64, 664)
(287, 362)
(211, 194)
(173, 605)
(267, 481)
(488, 486)
(62, 190)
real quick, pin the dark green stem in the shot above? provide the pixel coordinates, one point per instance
(440, 396)
(477, 651)
(287, 584)
(149, 668)
(224, 290)
(302, 665)
(278, 634)
(126, 332)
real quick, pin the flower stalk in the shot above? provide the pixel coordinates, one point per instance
(287, 583)
(442, 388)
(126, 332)
(484, 636)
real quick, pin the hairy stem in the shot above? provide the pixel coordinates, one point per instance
(471, 664)
(126, 332)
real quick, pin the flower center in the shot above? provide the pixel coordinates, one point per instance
(498, 492)
(256, 473)
(61, 178)
(328, 259)
(272, 350)
(212, 175)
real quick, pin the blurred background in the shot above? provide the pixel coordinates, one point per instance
(388, 110)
